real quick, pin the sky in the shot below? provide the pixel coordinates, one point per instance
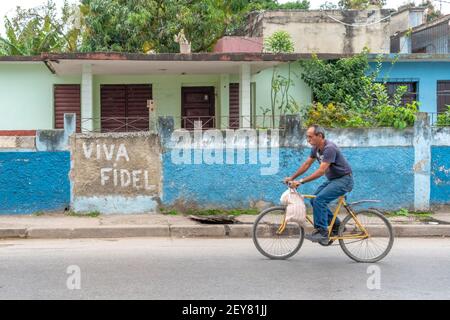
(8, 7)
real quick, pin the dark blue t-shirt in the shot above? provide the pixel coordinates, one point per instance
(331, 154)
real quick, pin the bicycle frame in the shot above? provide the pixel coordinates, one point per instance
(341, 202)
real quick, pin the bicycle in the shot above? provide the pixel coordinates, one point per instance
(364, 236)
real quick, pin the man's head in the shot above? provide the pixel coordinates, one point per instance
(315, 135)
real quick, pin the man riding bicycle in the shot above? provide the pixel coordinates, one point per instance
(339, 180)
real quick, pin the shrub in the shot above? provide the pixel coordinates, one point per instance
(279, 42)
(444, 118)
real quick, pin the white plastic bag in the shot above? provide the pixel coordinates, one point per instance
(295, 207)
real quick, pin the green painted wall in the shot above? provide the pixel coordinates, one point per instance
(299, 91)
(26, 92)
(26, 95)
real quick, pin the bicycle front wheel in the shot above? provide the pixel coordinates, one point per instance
(274, 241)
(368, 248)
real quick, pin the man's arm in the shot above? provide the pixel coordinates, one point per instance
(303, 168)
(318, 173)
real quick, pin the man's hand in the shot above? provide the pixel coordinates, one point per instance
(287, 179)
(295, 184)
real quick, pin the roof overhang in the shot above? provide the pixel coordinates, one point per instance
(163, 63)
(410, 57)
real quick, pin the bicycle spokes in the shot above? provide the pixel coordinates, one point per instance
(368, 236)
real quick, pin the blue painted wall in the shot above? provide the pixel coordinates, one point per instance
(383, 173)
(34, 181)
(426, 73)
(440, 175)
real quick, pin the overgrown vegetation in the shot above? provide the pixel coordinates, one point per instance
(128, 25)
(406, 213)
(281, 102)
(346, 94)
(279, 42)
(444, 118)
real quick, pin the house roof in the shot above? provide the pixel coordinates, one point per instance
(161, 63)
(411, 57)
(195, 63)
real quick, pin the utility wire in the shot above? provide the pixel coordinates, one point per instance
(356, 25)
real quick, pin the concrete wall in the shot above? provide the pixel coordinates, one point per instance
(115, 172)
(238, 44)
(405, 19)
(317, 31)
(135, 172)
(34, 181)
(440, 166)
(440, 175)
(242, 185)
(214, 169)
(34, 169)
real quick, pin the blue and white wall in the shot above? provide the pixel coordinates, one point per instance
(34, 181)
(389, 165)
(440, 167)
(404, 168)
(34, 170)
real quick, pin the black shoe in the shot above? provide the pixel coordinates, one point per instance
(335, 230)
(317, 235)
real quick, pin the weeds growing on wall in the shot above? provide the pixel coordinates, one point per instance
(444, 118)
(346, 95)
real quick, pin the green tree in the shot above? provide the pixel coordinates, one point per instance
(338, 81)
(432, 12)
(36, 30)
(360, 4)
(144, 25)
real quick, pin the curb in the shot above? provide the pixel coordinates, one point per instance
(191, 231)
(187, 231)
(99, 232)
(13, 233)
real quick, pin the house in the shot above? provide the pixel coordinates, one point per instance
(111, 91)
(432, 37)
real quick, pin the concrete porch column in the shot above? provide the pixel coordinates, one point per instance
(244, 96)
(87, 105)
(224, 92)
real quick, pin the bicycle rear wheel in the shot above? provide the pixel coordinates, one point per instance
(270, 241)
(372, 248)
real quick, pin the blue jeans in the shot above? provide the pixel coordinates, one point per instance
(327, 192)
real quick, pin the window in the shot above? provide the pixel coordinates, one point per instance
(443, 95)
(411, 93)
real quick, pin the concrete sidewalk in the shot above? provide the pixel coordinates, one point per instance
(60, 226)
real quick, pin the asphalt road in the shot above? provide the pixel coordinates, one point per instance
(159, 268)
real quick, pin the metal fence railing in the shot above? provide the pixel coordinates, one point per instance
(233, 122)
(439, 119)
(138, 124)
(115, 124)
